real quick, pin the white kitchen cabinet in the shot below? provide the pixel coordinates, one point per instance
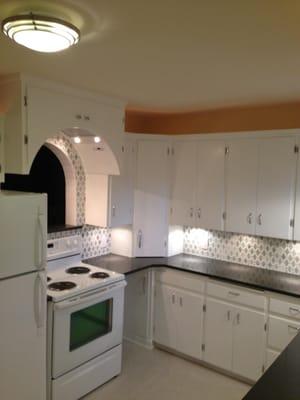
(121, 188)
(218, 336)
(137, 307)
(241, 185)
(37, 110)
(248, 343)
(2, 166)
(184, 183)
(210, 206)
(276, 187)
(297, 202)
(151, 199)
(178, 319)
(281, 332)
(165, 330)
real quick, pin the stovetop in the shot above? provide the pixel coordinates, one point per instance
(63, 284)
(67, 276)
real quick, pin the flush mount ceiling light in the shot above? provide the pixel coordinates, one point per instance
(41, 33)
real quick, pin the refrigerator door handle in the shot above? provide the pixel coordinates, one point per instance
(40, 297)
(43, 242)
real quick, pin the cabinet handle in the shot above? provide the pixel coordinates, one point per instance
(139, 239)
(234, 294)
(191, 212)
(249, 218)
(293, 328)
(113, 211)
(294, 310)
(173, 298)
(86, 117)
(259, 219)
(238, 319)
(199, 213)
(181, 302)
(228, 315)
(78, 116)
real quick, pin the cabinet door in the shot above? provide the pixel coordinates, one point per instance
(1, 149)
(136, 307)
(218, 334)
(241, 185)
(184, 181)
(248, 343)
(210, 185)
(121, 189)
(297, 204)
(165, 316)
(151, 200)
(189, 316)
(276, 187)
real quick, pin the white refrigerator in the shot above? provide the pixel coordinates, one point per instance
(23, 237)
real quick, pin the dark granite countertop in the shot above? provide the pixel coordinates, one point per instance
(281, 380)
(257, 278)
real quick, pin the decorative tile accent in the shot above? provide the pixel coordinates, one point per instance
(96, 241)
(269, 253)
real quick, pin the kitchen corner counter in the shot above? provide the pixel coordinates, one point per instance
(281, 380)
(256, 278)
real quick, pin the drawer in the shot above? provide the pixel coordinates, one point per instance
(180, 279)
(281, 331)
(271, 357)
(285, 308)
(237, 295)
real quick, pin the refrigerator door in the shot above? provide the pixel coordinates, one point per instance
(23, 337)
(23, 233)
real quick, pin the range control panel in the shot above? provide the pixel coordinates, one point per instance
(63, 247)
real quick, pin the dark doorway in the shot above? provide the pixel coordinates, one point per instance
(46, 176)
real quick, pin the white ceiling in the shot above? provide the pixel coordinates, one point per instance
(168, 54)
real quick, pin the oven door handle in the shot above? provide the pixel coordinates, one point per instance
(87, 297)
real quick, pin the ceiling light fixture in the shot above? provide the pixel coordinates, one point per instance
(97, 139)
(77, 139)
(40, 33)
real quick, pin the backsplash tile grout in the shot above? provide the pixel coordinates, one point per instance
(261, 252)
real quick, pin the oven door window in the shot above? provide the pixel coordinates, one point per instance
(90, 323)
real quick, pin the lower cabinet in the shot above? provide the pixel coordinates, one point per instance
(178, 319)
(137, 307)
(234, 338)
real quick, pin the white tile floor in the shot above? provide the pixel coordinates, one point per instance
(157, 375)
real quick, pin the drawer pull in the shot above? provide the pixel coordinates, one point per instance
(228, 315)
(293, 328)
(294, 310)
(234, 294)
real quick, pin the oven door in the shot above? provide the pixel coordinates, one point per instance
(86, 326)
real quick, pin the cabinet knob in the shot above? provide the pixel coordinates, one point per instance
(86, 117)
(78, 116)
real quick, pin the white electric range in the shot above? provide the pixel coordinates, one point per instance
(85, 321)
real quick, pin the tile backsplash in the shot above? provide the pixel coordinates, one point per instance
(275, 254)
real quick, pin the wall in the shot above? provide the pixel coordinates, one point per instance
(96, 240)
(274, 254)
(230, 119)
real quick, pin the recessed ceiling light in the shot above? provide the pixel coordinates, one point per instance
(41, 33)
(77, 139)
(97, 139)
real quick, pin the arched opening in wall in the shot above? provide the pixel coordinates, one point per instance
(51, 173)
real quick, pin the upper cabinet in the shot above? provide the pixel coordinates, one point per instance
(121, 188)
(37, 110)
(183, 183)
(210, 206)
(276, 187)
(151, 199)
(1, 149)
(241, 184)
